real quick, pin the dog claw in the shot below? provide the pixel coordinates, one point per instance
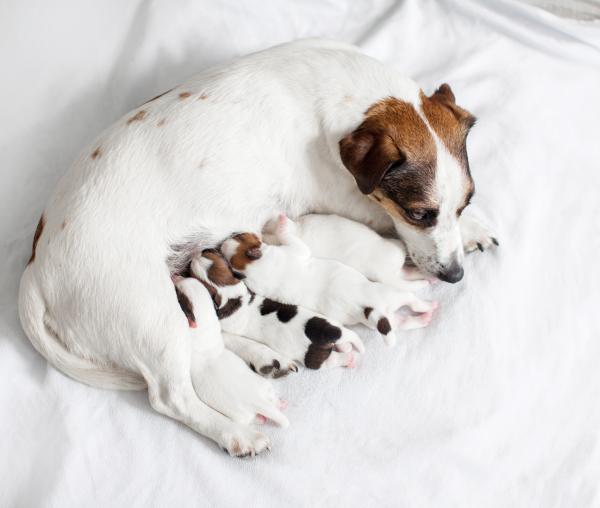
(495, 242)
(480, 247)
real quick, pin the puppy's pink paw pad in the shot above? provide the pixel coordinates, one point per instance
(260, 419)
(351, 361)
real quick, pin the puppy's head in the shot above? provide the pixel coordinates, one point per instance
(214, 272)
(411, 159)
(242, 249)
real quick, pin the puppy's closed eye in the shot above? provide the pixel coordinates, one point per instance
(254, 253)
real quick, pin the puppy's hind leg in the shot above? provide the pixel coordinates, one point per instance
(259, 357)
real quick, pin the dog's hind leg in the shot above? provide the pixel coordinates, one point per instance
(171, 393)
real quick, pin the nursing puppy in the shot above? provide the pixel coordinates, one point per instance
(290, 330)
(330, 236)
(289, 273)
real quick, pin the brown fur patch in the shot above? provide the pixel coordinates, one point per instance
(383, 326)
(232, 306)
(212, 291)
(186, 306)
(36, 237)
(248, 250)
(450, 122)
(184, 95)
(219, 272)
(316, 355)
(367, 311)
(96, 153)
(138, 117)
(161, 122)
(203, 97)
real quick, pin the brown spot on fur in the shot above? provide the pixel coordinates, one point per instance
(285, 311)
(138, 117)
(212, 291)
(96, 153)
(248, 250)
(219, 272)
(383, 326)
(184, 95)
(186, 306)
(36, 237)
(161, 122)
(316, 355)
(203, 97)
(450, 122)
(232, 306)
(321, 331)
(367, 311)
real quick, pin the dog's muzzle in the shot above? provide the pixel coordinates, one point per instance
(451, 272)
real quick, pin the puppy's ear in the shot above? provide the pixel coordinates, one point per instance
(186, 305)
(254, 253)
(368, 154)
(445, 96)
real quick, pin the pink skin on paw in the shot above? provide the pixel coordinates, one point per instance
(351, 362)
(260, 419)
(283, 404)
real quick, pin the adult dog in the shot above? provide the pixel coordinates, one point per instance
(311, 126)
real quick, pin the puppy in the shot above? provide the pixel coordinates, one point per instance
(290, 330)
(354, 244)
(289, 273)
(220, 378)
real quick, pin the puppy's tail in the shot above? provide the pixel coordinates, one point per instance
(32, 311)
(378, 320)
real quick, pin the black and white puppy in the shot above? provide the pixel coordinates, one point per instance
(289, 331)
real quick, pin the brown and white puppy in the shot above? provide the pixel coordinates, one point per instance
(290, 331)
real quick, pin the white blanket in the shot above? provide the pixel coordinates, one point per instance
(497, 403)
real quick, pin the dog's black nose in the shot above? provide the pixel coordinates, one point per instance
(451, 273)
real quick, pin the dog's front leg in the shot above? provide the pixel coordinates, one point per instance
(475, 235)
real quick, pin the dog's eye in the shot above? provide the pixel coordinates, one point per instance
(417, 214)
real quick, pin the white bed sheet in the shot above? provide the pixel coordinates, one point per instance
(495, 404)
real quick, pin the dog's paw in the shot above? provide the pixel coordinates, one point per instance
(274, 366)
(244, 442)
(476, 236)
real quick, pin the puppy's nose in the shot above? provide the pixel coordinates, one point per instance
(452, 272)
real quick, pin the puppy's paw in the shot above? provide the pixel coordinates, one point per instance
(244, 442)
(475, 235)
(274, 367)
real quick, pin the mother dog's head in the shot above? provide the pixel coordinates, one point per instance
(412, 160)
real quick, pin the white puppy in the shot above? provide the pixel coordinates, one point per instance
(220, 378)
(289, 273)
(330, 236)
(290, 330)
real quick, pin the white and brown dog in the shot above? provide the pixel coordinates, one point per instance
(310, 126)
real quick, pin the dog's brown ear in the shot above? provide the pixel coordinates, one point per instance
(444, 95)
(254, 253)
(368, 154)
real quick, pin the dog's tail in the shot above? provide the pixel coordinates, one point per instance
(380, 321)
(32, 310)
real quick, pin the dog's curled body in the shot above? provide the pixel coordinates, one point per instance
(222, 152)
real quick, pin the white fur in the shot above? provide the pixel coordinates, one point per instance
(255, 136)
(330, 236)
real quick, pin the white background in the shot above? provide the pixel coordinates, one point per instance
(495, 404)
